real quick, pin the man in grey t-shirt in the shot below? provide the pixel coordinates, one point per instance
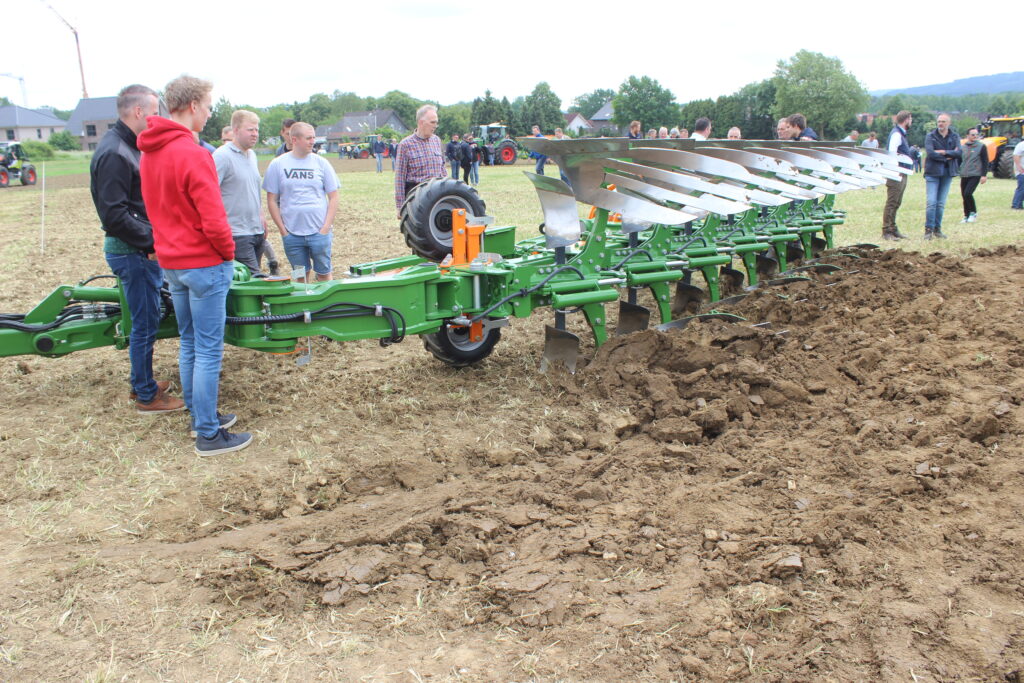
(239, 178)
(307, 187)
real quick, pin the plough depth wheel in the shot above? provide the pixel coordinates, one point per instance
(452, 345)
(427, 215)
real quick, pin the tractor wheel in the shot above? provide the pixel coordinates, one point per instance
(28, 174)
(364, 154)
(427, 215)
(453, 346)
(1003, 168)
(506, 154)
(5, 177)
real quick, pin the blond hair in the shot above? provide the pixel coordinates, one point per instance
(184, 90)
(300, 126)
(242, 116)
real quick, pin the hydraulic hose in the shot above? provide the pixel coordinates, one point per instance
(525, 291)
(343, 309)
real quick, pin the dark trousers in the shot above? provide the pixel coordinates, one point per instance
(967, 187)
(893, 198)
(466, 168)
(247, 250)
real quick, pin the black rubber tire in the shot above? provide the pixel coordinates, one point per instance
(1003, 168)
(500, 154)
(451, 345)
(427, 219)
(28, 174)
(5, 177)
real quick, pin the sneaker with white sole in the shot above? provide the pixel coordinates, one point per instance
(222, 442)
(223, 420)
(972, 218)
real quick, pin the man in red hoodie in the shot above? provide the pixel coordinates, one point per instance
(195, 249)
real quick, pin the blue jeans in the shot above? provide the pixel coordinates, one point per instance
(474, 173)
(455, 169)
(540, 164)
(380, 161)
(140, 280)
(1018, 194)
(200, 295)
(936, 189)
(315, 248)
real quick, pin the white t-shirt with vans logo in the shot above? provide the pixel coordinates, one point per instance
(302, 185)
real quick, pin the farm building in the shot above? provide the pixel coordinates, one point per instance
(578, 124)
(92, 118)
(354, 126)
(21, 123)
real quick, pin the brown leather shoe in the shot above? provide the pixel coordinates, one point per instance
(162, 403)
(161, 387)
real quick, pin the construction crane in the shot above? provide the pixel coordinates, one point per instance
(24, 93)
(81, 69)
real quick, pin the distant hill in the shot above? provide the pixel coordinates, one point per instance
(996, 83)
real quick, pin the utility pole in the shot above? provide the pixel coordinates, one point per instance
(24, 93)
(81, 69)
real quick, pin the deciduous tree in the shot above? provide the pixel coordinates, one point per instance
(821, 89)
(643, 99)
(543, 108)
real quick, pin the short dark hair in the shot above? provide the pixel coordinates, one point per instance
(132, 96)
(287, 123)
(902, 116)
(702, 124)
(797, 121)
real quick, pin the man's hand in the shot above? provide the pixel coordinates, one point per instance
(984, 179)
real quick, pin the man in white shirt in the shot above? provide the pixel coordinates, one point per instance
(894, 189)
(702, 129)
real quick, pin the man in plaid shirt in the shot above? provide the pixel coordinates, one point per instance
(420, 156)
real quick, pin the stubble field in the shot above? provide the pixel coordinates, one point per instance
(720, 503)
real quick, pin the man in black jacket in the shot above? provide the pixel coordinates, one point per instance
(117, 193)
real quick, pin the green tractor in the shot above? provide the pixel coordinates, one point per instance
(498, 147)
(14, 165)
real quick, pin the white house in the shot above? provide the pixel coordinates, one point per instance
(19, 123)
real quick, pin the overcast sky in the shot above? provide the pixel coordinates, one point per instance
(424, 48)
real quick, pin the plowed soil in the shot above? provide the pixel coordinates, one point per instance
(834, 497)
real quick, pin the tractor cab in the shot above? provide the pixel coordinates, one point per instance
(498, 147)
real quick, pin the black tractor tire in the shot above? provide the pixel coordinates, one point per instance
(506, 154)
(5, 177)
(1003, 168)
(427, 215)
(452, 346)
(28, 174)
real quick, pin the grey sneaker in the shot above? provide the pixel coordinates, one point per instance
(222, 442)
(225, 421)
(972, 218)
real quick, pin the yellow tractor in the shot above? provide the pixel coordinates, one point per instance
(1000, 136)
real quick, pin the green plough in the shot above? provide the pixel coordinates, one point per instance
(736, 214)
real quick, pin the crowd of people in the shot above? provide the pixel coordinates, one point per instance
(174, 212)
